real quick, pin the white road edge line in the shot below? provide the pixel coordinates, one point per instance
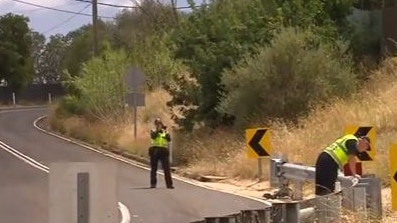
(125, 213)
(23, 157)
(136, 164)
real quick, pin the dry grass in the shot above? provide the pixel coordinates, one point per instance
(118, 134)
(375, 106)
(224, 152)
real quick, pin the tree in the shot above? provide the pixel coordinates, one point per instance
(49, 63)
(216, 36)
(285, 78)
(212, 39)
(148, 19)
(38, 43)
(144, 33)
(79, 49)
(80, 46)
(16, 66)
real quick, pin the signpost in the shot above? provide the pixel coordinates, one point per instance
(393, 175)
(134, 80)
(258, 145)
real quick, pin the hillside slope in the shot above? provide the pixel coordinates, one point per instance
(223, 152)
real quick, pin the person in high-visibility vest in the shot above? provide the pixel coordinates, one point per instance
(344, 150)
(159, 151)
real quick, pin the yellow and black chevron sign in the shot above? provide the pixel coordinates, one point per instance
(393, 175)
(364, 131)
(258, 142)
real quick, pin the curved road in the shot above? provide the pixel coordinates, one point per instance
(24, 189)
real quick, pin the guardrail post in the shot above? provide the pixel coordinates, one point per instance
(257, 216)
(286, 212)
(374, 196)
(279, 213)
(274, 171)
(224, 219)
(355, 199)
(328, 208)
(292, 212)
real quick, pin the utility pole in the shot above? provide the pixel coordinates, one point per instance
(95, 25)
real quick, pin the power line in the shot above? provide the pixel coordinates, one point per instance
(95, 25)
(27, 11)
(125, 6)
(66, 21)
(107, 4)
(38, 9)
(59, 10)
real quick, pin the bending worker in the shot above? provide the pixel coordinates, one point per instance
(159, 152)
(344, 150)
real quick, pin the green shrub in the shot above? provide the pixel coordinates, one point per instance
(69, 105)
(282, 81)
(100, 90)
(154, 57)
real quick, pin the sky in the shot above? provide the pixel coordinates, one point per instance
(50, 22)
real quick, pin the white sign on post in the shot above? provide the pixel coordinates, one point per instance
(83, 193)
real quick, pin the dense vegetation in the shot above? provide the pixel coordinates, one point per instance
(229, 63)
(303, 68)
(224, 63)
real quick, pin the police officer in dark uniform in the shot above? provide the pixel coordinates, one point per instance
(159, 151)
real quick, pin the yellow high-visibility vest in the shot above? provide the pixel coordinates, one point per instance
(160, 140)
(338, 150)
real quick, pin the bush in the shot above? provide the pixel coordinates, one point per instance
(153, 56)
(70, 105)
(100, 90)
(297, 69)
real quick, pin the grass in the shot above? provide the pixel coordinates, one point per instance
(223, 152)
(117, 135)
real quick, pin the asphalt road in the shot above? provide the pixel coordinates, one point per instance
(24, 189)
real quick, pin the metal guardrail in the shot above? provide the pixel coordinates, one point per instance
(363, 198)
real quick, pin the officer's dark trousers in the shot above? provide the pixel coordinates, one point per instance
(326, 174)
(160, 154)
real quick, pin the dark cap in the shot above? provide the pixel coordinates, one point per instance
(157, 121)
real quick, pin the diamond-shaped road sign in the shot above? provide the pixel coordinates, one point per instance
(364, 131)
(134, 78)
(135, 99)
(258, 142)
(393, 175)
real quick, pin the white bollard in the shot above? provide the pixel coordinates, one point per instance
(49, 98)
(14, 101)
(83, 193)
